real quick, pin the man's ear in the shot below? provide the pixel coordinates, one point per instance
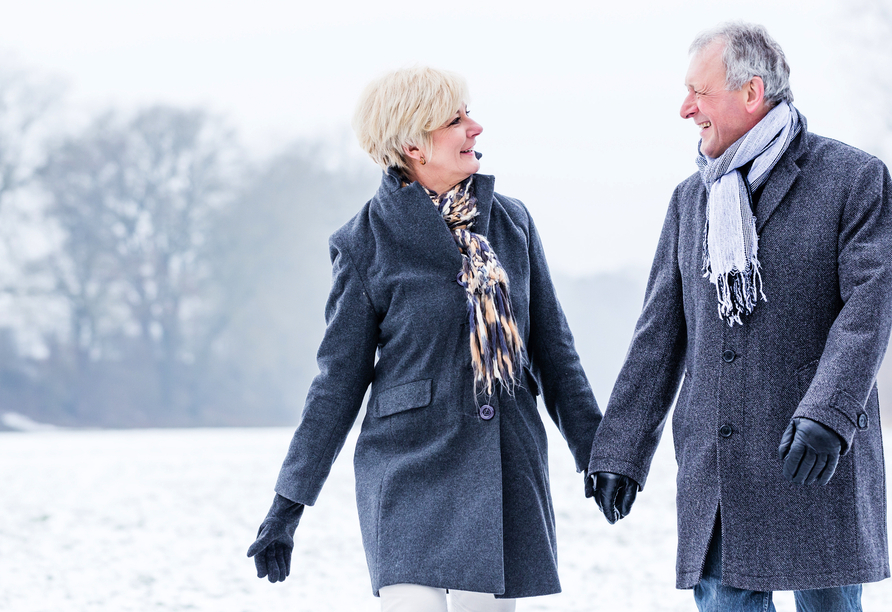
(755, 94)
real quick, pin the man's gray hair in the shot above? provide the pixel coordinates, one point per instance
(749, 52)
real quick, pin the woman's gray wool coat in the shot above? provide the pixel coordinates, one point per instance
(450, 494)
(812, 350)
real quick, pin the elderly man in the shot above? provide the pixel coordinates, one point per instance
(770, 296)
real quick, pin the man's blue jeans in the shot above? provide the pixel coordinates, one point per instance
(712, 596)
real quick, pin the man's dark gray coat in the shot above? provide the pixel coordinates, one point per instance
(450, 494)
(812, 350)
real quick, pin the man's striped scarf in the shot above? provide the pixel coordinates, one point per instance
(496, 346)
(730, 242)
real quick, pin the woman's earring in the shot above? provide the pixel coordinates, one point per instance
(422, 161)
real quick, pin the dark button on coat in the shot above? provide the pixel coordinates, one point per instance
(445, 498)
(812, 350)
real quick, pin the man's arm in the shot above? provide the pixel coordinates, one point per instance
(860, 333)
(645, 389)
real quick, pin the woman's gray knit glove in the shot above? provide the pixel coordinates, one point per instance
(275, 539)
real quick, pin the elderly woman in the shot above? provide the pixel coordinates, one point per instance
(445, 281)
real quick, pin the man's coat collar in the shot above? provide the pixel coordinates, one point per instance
(782, 177)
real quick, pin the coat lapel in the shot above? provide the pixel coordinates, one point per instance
(483, 188)
(417, 225)
(781, 179)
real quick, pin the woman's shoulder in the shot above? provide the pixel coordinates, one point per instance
(356, 230)
(359, 234)
(514, 209)
(512, 205)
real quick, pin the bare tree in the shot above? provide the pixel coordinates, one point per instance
(272, 266)
(29, 104)
(25, 102)
(133, 200)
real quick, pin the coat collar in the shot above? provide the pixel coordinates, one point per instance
(782, 177)
(416, 221)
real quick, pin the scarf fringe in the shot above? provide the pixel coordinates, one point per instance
(730, 259)
(495, 342)
(737, 292)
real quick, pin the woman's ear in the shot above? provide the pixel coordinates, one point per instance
(413, 152)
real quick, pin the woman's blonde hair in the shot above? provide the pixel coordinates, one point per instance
(403, 107)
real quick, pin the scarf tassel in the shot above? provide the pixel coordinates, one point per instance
(495, 341)
(733, 266)
(495, 344)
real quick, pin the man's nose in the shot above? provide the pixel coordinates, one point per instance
(688, 106)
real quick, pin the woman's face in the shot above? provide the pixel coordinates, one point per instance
(450, 158)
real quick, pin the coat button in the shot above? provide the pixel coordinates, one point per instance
(862, 421)
(726, 431)
(486, 412)
(728, 356)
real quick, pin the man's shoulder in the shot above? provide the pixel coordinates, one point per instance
(823, 148)
(832, 156)
(829, 164)
(690, 185)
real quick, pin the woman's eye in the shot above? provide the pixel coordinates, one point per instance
(456, 121)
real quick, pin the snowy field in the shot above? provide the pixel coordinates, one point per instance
(159, 520)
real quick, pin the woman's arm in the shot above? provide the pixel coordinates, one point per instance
(346, 361)
(566, 392)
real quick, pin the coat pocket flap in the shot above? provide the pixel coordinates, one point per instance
(403, 397)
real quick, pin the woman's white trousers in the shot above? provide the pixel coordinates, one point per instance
(417, 598)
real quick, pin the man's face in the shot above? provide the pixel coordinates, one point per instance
(721, 115)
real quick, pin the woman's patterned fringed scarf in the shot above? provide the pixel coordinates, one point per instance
(730, 242)
(496, 346)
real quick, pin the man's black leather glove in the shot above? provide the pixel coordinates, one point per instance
(614, 495)
(810, 451)
(275, 539)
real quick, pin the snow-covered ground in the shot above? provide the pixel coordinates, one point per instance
(159, 520)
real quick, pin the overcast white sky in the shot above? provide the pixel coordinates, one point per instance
(579, 99)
